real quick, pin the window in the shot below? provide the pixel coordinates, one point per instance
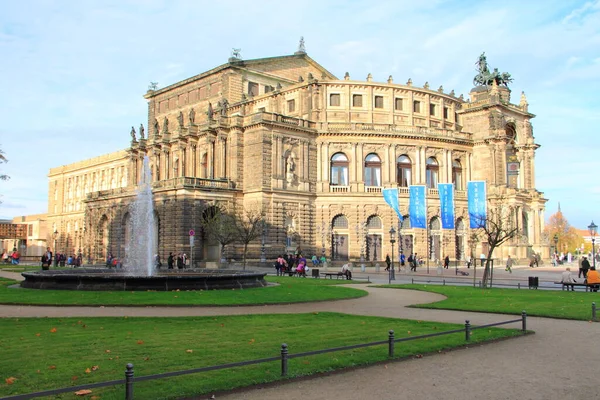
(291, 105)
(432, 170)
(446, 112)
(457, 175)
(456, 117)
(378, 101)
(372, 170)
(334, 99)
(340, 222)
(268, 88)
(417, 106)
(432, 109)
(398, 104)
(252, 89)
(374, 222)
(403, 171)
(339, 169)
(357, 100)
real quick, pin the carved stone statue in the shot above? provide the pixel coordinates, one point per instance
(236, 53)
(224, 106)
(133, 134)
(290, 169)
(192, 116)
(485, 77)
(156, 127)
(166, 125)
(180, 119)
(141, 131)
(210, 113)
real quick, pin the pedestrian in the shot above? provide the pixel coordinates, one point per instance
(402, 261)
(412, 261)
(446, 262)
(170, 261)
(509, 264)
(179, 261)
(482, 258)
(388, 262)
(568, 278)
(593, 279)
(585, 266)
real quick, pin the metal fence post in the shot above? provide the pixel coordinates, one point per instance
(467, 330)
(594, 311)
(284, 359)
(519, 285)
(129, 382)
(391, 343)
(524, 319)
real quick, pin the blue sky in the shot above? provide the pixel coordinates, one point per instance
(73, 73)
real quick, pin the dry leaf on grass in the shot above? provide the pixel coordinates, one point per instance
(189, 351)
(83, 392)
(74, 378)
(95, 368)
(53, 330)
(88, 371)
(251, 341)
(140, 342)
(11, 380)
(107, 351)
(52, 367)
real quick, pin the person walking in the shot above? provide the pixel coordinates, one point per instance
(446, 262)
(170, 261)
(509, 264)
(388, 262)
(402, 261)
(585, 267)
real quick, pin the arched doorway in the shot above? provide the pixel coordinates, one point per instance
(435, 233)
(406, 237)
(339, 238)
(374, 238)
(102, 239)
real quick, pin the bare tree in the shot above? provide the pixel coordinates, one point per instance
(495, 229)
(219, 225)
(249, 225)
(3, 159)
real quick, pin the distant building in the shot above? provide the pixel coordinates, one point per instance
(315, 151)
(26, 233)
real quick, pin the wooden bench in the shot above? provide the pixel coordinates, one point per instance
(338, 275)
(592, 287)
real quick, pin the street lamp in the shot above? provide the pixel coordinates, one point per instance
(392, 241)
(593, 229)
(556, 243)
(54, 236)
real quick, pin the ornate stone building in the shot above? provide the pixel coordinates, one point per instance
(315, 152)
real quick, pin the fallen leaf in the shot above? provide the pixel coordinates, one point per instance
(74, 378)
(84, 326)
(419, 356)
(189, 351)
(409, 332)
(385, 366)
(88, 371)
(110, 358)
(306, 362)
(222, 325)
(52, 367)
(107, 351)
(117, 357)
(140, 342)
(11, 380)
(146, 358)
(83, 392)
(53, 330)
(95, 398)
(175, 296)
(38, 334)
(38, 371)
(79, 322)
(95, 368)
(251, 341)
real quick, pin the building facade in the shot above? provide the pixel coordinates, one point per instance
(314, 152)
(27, 233)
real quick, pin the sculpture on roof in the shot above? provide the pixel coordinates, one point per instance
(485, 77)
(210, 112)
(236, 53)
(132, 133)
(301, 47)
(192, 116)
(141, 131)
(180, 119)
(156, 127)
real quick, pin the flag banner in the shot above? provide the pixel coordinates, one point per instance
(417, 207)
(477, 204)
(446, 191)
(391, 197)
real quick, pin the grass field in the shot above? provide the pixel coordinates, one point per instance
(288, 290)
(49, 353)
(540, 303)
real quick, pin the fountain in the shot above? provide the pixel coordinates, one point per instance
(139, 270)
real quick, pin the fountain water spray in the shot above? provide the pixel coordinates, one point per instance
(143, 245)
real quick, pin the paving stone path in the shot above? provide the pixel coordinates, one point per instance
(559, 362)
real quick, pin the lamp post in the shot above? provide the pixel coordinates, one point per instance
(392, 241)
(593, 228)
(555, 243)
(54, 236)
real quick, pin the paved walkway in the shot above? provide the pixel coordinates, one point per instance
(559, 362)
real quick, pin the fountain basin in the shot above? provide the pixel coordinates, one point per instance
(109, 280)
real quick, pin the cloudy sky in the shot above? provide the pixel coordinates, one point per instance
(73, 73)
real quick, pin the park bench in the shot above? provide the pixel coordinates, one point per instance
(592, 287)
(338, 275)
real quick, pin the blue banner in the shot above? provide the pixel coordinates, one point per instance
(391, 197)
(417, 207)
(477, 204)
(447, 204)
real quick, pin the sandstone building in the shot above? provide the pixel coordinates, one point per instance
(315, 152)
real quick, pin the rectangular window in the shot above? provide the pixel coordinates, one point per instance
(432, 109)
(291, 105)
(378, 101)
(357, 100)
(29, 230)
(252, 89)
(334, 100)
(456, 117)
(417, 106)
(398, 104)
(446, 112)
(268, 88)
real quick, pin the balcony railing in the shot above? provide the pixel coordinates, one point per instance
(339, 189)
(373, 189)
(193, 183)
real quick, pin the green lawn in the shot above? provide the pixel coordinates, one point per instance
(540, 303)
(289, 290)
(49, 353)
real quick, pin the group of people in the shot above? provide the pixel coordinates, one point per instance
(180, 261)
(413, 262)
(13, 257)
(289, 263)
(60, 259)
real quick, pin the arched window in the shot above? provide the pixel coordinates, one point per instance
(457, 175)
(432, 170)
(204, 166)
(339, 169)
(340, 222)
(374, 222)
(403, 171)
(372, 170)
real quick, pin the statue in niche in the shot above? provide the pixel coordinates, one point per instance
(166, 125)
(192, 116)
(180, 119)
(141, 131)
(156, 127)
(133, 134)
(210, 112)
(290, 169)
(224, 107)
